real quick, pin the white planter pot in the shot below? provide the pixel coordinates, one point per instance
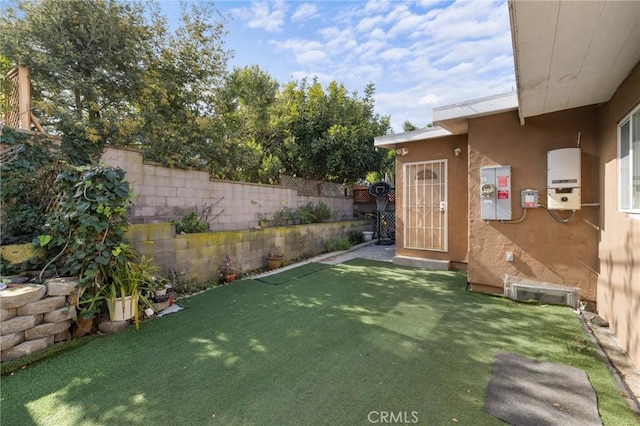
(122, 310)
(161, 292)
(367, 235)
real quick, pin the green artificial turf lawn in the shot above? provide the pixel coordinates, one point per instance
(330, 347)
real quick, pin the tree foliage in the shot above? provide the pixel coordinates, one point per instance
(87, 57)
(180, 123)
(246, 107)
(26, 182)
(111, 71)
(327, 134)
(408, 126)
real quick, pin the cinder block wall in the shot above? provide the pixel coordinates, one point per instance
(197, 257)
(164, 194)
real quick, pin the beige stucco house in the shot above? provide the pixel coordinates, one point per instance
(578, 86)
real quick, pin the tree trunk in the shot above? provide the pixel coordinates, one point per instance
(76, 91)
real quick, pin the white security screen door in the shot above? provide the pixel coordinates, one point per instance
(425, 205)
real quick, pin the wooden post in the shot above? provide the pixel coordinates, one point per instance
(24, 98)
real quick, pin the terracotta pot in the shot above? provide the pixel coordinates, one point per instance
(274, 262)
(229, 278)
(83, 326)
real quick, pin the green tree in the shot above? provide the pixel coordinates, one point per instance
(328, 134)
(246, 104)
(110, 70)
(86, 57)
(408, 126)
(180, 124)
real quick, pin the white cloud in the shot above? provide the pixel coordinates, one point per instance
(304, 11)
(359, 74)
(395, 54)
(430, 100)
(377, 6)
(338, 40)
(378, 34)
(404, 106)
(311, 56)
(322, 78)
(368, 23)
(407, 24)
(297, 45)
(269, 16)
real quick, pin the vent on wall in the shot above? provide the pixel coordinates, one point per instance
(526, 290)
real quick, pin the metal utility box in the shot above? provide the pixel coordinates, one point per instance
(495, 193)
(529, 198)
(563, 179)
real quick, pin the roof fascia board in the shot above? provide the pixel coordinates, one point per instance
(516, 53)
(455, 117)
(390, 141)
(478, 107)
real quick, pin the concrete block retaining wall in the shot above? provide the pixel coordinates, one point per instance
(197, 257)
(163, 194)
(35, 316)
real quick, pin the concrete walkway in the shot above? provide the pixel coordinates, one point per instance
(363, 251)
(368, 250)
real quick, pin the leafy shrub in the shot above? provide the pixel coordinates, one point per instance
(309, 213)
(88, 229)
(355, 237)
(191, 224)
(338, 244)
(27, 180)
(318, 213)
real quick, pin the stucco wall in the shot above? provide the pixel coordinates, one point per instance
(544, 250)
(619, 281)
(439, 149)
(163, 194)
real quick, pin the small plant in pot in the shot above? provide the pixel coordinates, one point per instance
(160, 303)
(155, 286)
(228, 270)
(155, 290)
(275, 258)
(125, 284)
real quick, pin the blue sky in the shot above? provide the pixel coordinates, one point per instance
(420, 54)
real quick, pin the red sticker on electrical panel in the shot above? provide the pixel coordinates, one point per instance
(503, 195)
(503, 182)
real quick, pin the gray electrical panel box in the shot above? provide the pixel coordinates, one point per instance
(529, 198)
(495, 193)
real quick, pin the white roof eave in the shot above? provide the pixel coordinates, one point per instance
(455, 117)
(390, 141)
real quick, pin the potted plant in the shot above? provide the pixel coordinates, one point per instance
(125, 282)
(275, 258)
(228, 270)
(155, 286)
(160, 303)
